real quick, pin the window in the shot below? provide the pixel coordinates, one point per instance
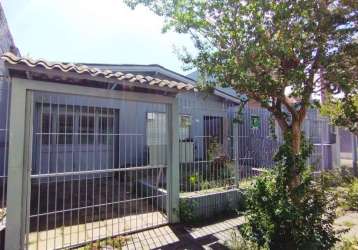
(106, 126)
(185, 127)
(65, 128)
(156, 128)
(255, 121)
(45, 128)
(56, 124)
(213, 129)
(87, 128)
(83, 125)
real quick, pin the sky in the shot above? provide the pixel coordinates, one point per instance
(92, 31)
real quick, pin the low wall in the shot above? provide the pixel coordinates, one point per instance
(147, 189)
(203, 205)
(213, 204)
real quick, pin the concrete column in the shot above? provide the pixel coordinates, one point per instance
(173, 166)
(19, 172)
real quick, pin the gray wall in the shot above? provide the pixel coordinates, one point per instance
(345, 140)
(197, 105)
(131, 141)
(256, 146)
(132, 123)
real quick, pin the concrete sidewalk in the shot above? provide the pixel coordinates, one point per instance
(211, 236)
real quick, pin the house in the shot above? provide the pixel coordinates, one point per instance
(99, 150)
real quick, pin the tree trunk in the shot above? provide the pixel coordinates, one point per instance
(296, 148)
(296, 137)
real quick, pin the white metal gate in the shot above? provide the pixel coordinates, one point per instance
(98, 169)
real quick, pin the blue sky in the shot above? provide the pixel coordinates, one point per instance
(93, 31)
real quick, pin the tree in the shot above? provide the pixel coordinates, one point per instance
(271, 51)
(342, 108)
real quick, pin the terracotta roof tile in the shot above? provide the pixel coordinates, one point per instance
(95, 72)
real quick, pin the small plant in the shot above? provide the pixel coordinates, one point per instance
(352, 196)
(348, 224)
(347, 243)
(186, 211)
(206, 185)
(194, 179)
(337, 177)
(237, 242)
(116, 242)
(96, 245)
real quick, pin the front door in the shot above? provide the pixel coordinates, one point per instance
(213, 134)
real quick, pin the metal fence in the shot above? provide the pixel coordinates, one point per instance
(221, 149)
(206, 146)
(258, 141)
(323, 137)
(98, 169)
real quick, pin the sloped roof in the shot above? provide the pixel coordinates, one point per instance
(229, 92)
(10, 58)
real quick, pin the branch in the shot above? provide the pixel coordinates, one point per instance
(274, 109)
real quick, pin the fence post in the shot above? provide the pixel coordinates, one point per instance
(235, 134)
(173, 166)
(354, 155)
(18, 173)
(337, 149)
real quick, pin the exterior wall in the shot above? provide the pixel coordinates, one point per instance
(6, 44)
(256, 146)
(199, 105)
(132, 129)
(131, 133)
(346, 141)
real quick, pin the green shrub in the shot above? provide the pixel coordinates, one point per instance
(282, 218)
(352, 196)
(186, 211)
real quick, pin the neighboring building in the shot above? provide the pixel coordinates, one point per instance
(6, 45)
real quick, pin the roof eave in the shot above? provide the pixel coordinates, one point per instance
(58, 73)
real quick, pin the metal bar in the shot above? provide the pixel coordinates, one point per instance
(96, 171)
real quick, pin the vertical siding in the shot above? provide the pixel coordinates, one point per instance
(198, 105)
(6, 44)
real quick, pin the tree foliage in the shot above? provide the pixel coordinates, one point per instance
(342, 108)
(343, 112)
(275, 52)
